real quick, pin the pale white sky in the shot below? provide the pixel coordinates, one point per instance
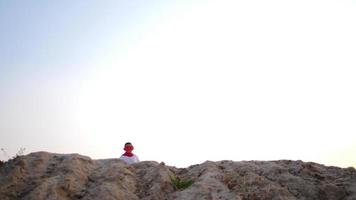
(184, 82)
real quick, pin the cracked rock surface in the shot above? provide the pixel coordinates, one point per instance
(50, 176)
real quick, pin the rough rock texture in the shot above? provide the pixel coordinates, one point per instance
(71, 176)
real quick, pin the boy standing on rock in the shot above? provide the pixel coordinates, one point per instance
(128, 156)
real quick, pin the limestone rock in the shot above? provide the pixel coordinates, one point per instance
(45, 175)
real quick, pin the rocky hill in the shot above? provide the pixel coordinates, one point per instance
(44, 175)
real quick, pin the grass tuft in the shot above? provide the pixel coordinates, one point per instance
(181, 184)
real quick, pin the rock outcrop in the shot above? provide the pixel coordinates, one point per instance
(44, 175)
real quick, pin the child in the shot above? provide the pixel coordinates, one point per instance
(128, 156)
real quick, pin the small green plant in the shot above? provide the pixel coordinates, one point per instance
(181, 184)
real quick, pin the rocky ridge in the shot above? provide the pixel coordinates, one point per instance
(43, 175)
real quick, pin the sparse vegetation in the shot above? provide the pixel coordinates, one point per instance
(12, 161)
(181, 184)
(19, 153)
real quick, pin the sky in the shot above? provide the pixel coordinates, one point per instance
(184, 81)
